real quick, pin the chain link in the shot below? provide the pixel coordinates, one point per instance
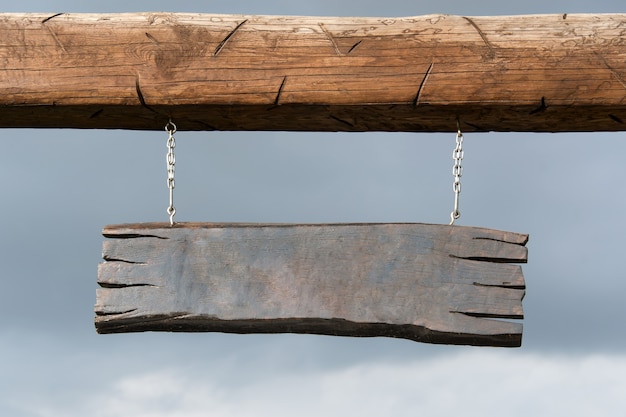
(457, 172)
(170, 128)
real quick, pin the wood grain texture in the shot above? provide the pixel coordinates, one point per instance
(428, 283)
(542, 73)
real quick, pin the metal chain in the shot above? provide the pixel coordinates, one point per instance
(457, 172)
(170, 128)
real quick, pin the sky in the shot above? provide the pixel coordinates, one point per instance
(60, 187)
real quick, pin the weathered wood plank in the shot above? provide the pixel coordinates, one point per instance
(540, 73)
(429, 283)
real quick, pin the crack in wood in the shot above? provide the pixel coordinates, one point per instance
(114, 313)
(491, 316)
(130, 236)
(152, 38)
(354, 47)
(492, 51)
(521, 243)
(506, 285)
(140, 96)
(124, 261)
(280, 90)
(490, 259)
(117, 285)
(331, 38)
(416, 101)
(51, 17)
(221, 45)
(542, 107)
(617, 119)
(142, 100)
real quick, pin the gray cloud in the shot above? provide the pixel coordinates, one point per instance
(474, 383)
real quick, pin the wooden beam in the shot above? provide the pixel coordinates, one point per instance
(428, 283)
(540, 73)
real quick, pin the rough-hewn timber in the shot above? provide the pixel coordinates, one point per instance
(539, 73)
(428, 283)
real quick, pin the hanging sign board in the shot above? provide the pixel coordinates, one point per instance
(428, 283)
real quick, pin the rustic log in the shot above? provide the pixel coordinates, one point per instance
(428, 283)
(542, 73)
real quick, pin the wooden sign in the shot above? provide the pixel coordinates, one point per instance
(428, 283)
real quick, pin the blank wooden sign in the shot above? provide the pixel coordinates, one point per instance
(428, 283)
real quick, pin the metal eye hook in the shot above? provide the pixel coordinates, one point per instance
(453, 216)
(170, 127)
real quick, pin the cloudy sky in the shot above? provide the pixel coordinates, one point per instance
(60, 187)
